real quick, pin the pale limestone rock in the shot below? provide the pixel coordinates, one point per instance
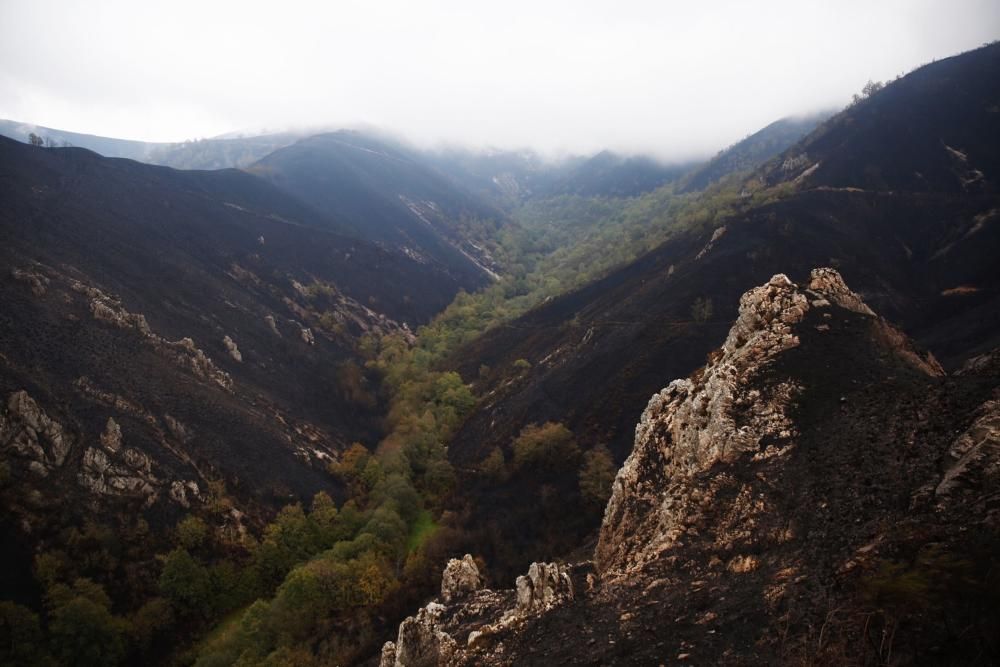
(177, 429)
(545, 585)
(711, 417)
(388, 655)
(183, 493)
(36, 281)
(233, 350)
(975, 454)
(113, 472)
(460, 578)
(111, 438)
(32, 434)
(421, 643)
(829, 283)
(272, 324)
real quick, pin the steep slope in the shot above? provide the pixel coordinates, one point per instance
(386, 194)
(820, 493)
(754, 151)
(926, 260)
(174, 339)
(934, 130)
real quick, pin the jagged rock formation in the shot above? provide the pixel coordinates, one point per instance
(545, 585)
(472, 622)
(233, 350)
(717, 415)
(460, 578)
(820, 493)
(27, 431)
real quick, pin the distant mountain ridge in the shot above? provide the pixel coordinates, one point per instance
(216, 153)
(385, 193)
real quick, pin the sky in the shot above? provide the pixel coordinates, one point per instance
(672, 79)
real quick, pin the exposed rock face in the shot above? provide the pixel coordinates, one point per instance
(183, 493)
(114, 471)
(421, 643)
(545, 585)
(272, 324)
(27, 431)
(717, 415)
(111, 438)
(460, 578)
(974, 457)
(233, 350)
(184, 352)
(388, 656)
(471, 625)
(127, 475)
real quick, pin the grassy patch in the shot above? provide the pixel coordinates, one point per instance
(423, 528)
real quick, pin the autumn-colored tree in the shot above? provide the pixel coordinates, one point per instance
(546, 448)
(596, 476)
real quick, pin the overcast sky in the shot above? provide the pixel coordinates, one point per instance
(672, 78)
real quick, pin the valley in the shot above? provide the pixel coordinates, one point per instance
(257, 393)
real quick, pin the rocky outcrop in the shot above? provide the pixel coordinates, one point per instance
(114, 470)
(545, 585)
(27, 431)
(232, 349)
(36, 281)
(183, 493)
(693, 423)
(111, 438)
(469, 624)
(272, 324)
(973, 461)
(460, 578)
(719, 414)
(184, 352)
(421, 642)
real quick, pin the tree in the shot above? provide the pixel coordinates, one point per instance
(186, 583)
(20, 636)
(152, 618)
(35, 140)
(548, 447)
(596, 476)
(191, 532)
(494, 467)
(82, 630)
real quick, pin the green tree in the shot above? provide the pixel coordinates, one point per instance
(154, 618)
(21, 637)
(191, 533)
(596, 476)
(82, 631)
(186, 583)
(547, 448)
